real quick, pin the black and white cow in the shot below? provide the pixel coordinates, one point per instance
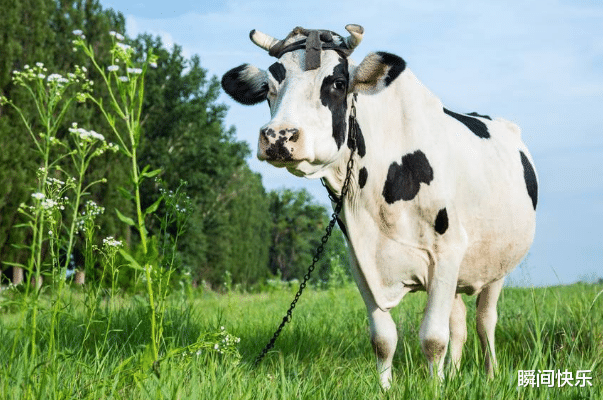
(439, 201)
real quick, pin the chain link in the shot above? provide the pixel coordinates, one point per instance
(319, 250)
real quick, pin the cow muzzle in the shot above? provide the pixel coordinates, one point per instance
(278, 144)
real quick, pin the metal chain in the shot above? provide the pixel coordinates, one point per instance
(338, 207)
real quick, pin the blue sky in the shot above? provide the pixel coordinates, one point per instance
(538, 63)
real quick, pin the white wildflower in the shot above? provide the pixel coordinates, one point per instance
(124, 46)
(54, 182)
(56, 78)
(41, 76)
(85, 135)
(38, 196)
(153, 64)
(78, 32)
(48, 204)
(116, 35)
(111, 242)
(216, 346)
(92, 209)
(124, 78)
(40, 65)
(135, 71)
(112, 68)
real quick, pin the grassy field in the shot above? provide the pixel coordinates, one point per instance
(323, 354)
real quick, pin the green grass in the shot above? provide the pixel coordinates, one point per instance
(324, 353)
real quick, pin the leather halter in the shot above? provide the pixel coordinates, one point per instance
(314, 43)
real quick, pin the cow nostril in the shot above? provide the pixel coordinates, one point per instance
(294, 135)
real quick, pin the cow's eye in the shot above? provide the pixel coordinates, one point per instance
(339, 85)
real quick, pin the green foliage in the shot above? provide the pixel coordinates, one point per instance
(298, 225)
(41, 31)
(185, 136)
(181, 134)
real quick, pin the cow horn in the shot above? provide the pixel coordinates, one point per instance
(262, 40)
(356, 33)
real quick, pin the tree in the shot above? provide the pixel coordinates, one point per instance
(298, 224)
(185, 136)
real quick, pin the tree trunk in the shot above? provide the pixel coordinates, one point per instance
(17, 275)
(38, 283)
(80, 278)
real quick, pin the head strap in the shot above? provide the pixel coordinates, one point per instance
(314, 43)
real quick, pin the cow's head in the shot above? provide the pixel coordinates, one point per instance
(310, 90)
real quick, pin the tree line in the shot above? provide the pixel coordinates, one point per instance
(236, 228)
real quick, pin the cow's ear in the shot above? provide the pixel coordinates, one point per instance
(246, 84)
(376, 72)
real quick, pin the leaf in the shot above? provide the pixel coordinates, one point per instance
(153, 207)
(125, 193)
(145, 174)
(133, 263)
(147, 359)
(124, 219)
(12, 264)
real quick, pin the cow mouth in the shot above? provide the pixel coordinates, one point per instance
(293, 166)
(289, 164)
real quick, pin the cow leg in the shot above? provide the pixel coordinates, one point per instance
(441, 291)
(384, 339)
(486, 322)
(435, 331)
(458, 332)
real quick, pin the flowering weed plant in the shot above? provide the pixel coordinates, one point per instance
(60, 215)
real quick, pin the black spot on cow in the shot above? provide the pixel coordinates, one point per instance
(278, 71)
(333, 96)
(397, 66)
(362, 177)
(360, 145)
(476, 126)
(403, 180)
(342, 227)
(474, 114)
(244, 90)
(441, 221)
(530, 177)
